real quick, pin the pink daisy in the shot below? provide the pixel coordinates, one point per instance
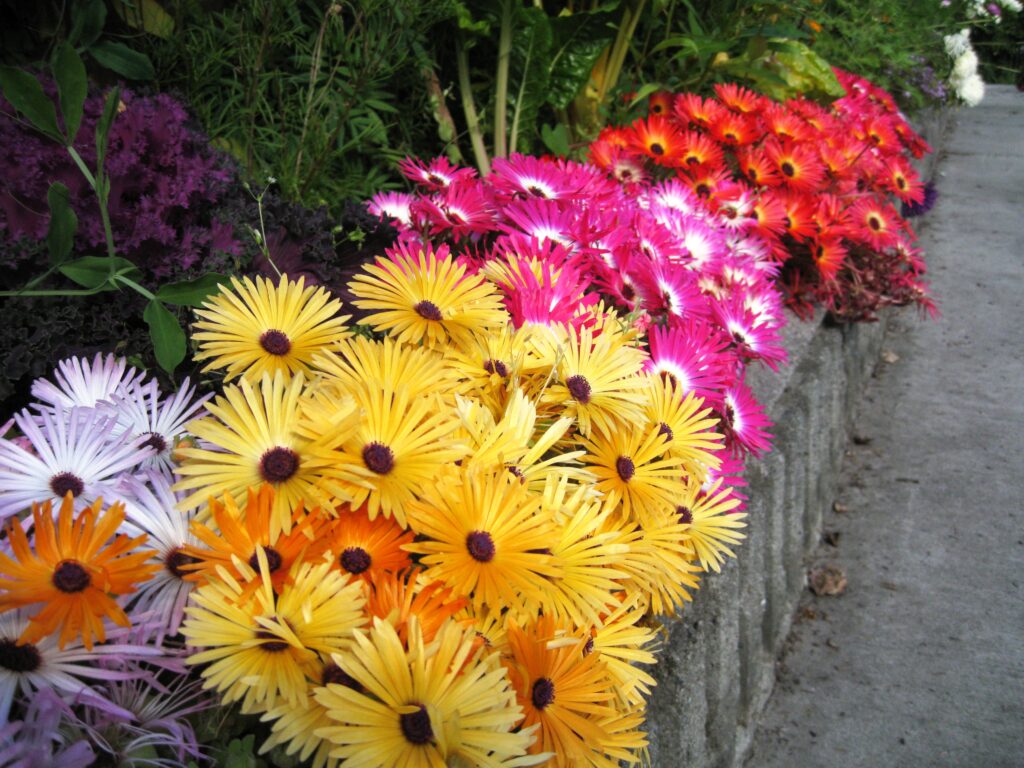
(692, 354)
(435, 175)
(743, 421)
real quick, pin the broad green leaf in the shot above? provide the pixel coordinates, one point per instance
(103, 126)
(72, 87)
(465, 21)
(87, 24)
(63, 222)
(147, 15)
(644, 91)
(94, 271)
(26, 95)
(122, 60)
(191, 293)
(556, 139)
(577, 42)
(167, 335)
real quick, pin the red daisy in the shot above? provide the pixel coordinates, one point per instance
(828, 254)
(691, 109)
(755, 165)
(798, 164)
(660, 103)
(658, 139)
(874, 223)
(739, 99)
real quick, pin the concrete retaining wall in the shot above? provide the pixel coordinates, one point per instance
(717, 665)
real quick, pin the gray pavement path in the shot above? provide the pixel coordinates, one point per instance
(920, 662)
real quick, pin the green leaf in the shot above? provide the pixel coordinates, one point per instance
(578, 41)
(556, 139)
(122, 60)
(465, 21)
(63, 222)
(103, 126)
(147, 15)
(528, 78)
(88, 23)
(167, 335)
(26, 95)
(72, 86)
(94, 271)
(646, 90)
(191, 293)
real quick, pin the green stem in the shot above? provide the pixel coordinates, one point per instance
(501, 83)
(82, 166)
(56, 292)
(469, 109)
(514, 135)
(630, 18)
(132, 284)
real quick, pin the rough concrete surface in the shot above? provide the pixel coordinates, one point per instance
(920, 661)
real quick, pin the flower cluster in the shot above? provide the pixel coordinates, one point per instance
(964, 79)
(164, 180)
(814, 183)
(441, 544)
(989, 10)
(89, 565)
(560, 237)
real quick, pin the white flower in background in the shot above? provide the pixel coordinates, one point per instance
(958, 44)
(965, 65)
(971, 90)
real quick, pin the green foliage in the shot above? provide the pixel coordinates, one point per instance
(1000, 48)
(325, 97)
(32, 31)
(60, 237)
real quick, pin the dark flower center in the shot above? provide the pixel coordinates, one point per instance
(752, 173)
(480, 546)
(788, 169)
(543, 692)
(517, 472)
(729, 136)
(535, 190)
(416, 726)
(276, 343)
(625, 467)
(657, 149)
(70, 576)
(685, 514)
(628, 293)
(63, 482)
(666, 430)
(496, 366)
(703, 189)
(278, 464)
(334, 674)
(692, 160)
(355, 560)
(274, 559)
(901, 182)
(155, 441)
(874, 222)
(588, 647)
(176, 561)
(579, 388)
(434, 179)
(271, 642)
(378, 458)
(428, 310)
(19, 658)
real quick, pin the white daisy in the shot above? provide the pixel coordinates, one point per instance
(29, 667)
(73, 451)
(152, 508)
(142, 414)
(84, 384)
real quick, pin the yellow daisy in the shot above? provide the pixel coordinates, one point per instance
(659, 566)
(402, 442)
(710, 525)
(360, 363)
(260, 327)
(260, 650)
(485, 535)
(686, 426)
(294, 728)
(423, 705)
(256, 436)
(586, 553)
(598, 381)
(633, 469)
(427, 297)
(623, 642)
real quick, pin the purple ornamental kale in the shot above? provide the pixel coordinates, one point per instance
(164, 182)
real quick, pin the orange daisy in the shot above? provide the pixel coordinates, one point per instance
(239, 535)
(365, 548)
(658, 139)
(76, 572)
(397, 597)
